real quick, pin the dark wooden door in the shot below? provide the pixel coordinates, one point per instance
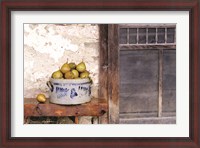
(147, 74)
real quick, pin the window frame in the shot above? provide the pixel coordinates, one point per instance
(109, 71)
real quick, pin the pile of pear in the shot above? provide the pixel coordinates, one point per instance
(71, 71)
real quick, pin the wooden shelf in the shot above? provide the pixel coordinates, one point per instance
(96, 107)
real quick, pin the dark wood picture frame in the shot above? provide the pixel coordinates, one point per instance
(193, 141)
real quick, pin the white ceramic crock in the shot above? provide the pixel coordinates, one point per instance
(69, 91)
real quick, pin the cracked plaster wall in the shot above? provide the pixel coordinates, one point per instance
(48, 46)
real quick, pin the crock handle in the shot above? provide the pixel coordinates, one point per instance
(49, 85)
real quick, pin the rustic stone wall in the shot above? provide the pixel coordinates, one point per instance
(48, 46)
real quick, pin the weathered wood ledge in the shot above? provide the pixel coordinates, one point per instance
(96, 107)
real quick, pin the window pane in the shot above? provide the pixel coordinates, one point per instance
(152, 35)
(170, 35)
(133, 36)
(123, 36)
(142, 36)
(161, 35)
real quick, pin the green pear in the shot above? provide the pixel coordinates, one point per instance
(72, 65)
(81, 67)
(84, 74)
(57, 75)
(41, 98)
(65, 68)
(69, 75)
(75, 73)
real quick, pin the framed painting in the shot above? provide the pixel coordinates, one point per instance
(112, 18)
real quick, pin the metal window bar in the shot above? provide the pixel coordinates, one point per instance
(137, 36)
(128, 36)
(174, 35)
(147, 36)
(156, 35)
(165, 35)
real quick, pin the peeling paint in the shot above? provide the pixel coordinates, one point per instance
(48, 46)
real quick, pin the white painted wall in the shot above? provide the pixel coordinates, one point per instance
(48, 46)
